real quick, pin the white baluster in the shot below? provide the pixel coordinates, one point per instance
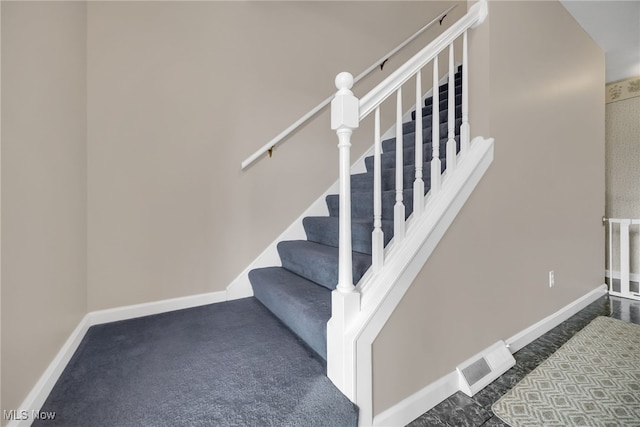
(610, 255)
(435, 132)
(451, 121)
(398, 209)
(465, 131)
(624, 256)
(377, 236)
(638, 252)
(418, 185)
(345, 118)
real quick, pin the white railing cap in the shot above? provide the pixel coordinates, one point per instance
(344, 107)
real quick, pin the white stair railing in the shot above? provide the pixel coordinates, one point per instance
(623, 229)
(269, 146)
(346, 113)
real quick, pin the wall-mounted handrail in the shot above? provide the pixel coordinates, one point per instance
(391, 84)
(269, 146)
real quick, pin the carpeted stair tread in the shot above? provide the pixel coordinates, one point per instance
(443, 105)
(408, 130)
(389, 145)
(303, 306)
(427, 121)
(362, 204)
(445, 86)
(231, 363)
(443, 102)
(317, 262)
(299, 292)
(388, 158)
(364, 181)
(324, 230)
(444, 90)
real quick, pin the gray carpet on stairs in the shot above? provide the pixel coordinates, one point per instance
(298, 291)
(225, 364)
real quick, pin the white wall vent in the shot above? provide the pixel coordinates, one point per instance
(477, 372)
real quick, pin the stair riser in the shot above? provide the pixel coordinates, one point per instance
(362, 204)
(443, 105)
(427, 121)
(444, 91)
(318, 266)
(388, 159)
(445, 86)
(364, 182)
(302, 306)
(326, 233)
(409, 140)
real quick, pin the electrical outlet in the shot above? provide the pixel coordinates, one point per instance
(552, 279)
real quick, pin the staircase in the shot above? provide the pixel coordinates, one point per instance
(337, 289)
(299, 292)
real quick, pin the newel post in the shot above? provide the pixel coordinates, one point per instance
(345, 300)
(345, 118)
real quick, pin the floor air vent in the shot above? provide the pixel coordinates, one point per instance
(477, 372)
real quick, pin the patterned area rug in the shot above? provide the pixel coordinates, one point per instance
(592, 380)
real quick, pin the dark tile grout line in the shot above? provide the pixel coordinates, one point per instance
(459, 410)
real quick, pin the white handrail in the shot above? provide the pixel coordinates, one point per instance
(391, 84)
(269, 146)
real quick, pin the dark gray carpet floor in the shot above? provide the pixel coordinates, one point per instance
(226, 364)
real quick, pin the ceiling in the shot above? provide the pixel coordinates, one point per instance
(615, 27)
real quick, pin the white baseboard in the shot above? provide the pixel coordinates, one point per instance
(533, 332)
(424, 400)
(38, 395)
(156, 307)
(36, 398)
(419, 403)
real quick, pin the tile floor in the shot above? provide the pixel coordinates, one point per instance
(459, 410)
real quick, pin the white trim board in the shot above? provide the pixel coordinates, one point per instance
(533, 332)
(424, 400)
(150, 308)
(418, 403)
(41, 390)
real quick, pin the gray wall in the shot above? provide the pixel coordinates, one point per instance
(179, 94)
(44, 199)
(538, 88)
